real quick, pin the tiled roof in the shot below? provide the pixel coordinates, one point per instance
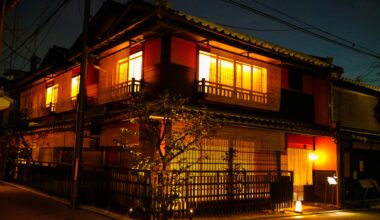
(254, 41)
(359, 83)
(149, 9)
(265, 122)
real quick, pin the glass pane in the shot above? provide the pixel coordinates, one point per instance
(226, 72)
(246, 79)
(49, 94)
(257, 79)
(239, 70)
(122, 72)
(55, 94)
(135, 66)
(75, 86)
(204, 66)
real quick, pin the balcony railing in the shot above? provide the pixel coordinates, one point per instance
(124, 89)
(50, 107)
(231, 92)
(121, 91)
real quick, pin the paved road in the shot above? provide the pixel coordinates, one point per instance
(371, 214)
(21, 204)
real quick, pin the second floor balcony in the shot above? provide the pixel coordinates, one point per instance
(120, 91)
(234, 95)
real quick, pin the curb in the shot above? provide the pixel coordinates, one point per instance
(93, 209)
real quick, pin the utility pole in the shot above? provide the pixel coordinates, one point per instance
(81, 102)
(2, 17)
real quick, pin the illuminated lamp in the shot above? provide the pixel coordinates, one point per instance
(313, 156)
(331, 180)
(191, 212)
(298, 207)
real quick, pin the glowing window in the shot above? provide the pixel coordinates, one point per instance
(207, 66)
(135, 66)
(259, 79)
(75, 87)
(243, 76)
(226, 72)
(51, 96)
(122, 71)
(225, 75)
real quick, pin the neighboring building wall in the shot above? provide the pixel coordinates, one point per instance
(354, 109)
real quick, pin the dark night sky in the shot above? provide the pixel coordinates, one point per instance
(356, 21)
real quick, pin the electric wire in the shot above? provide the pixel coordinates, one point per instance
(353, 44)
(38, 29)
(46, 34)
(15, 52)
(370, 69)
(16, 37)
(255, 11)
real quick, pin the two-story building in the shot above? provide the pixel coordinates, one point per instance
(273, 103)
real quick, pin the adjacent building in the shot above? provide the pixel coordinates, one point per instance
(356, 112)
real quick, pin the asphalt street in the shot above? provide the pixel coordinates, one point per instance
(16, 203)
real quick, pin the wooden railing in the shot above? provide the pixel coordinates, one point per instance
(120, 91)
(125, 88)
(212, 88)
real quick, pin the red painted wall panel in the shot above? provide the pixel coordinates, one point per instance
(300, 141)
(321, 101)
(284, 79)
(152, 52)
(183, 52)
(92, 75)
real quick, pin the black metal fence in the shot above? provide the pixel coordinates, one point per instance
(205, 192)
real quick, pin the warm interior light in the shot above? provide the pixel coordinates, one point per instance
(75, 87)
(298, 207)
(313, 156)
(135, 66)
(51, 95)
(331, 180)
(204, 66)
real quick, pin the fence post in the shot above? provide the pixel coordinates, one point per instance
(203, 86)
(230, 181)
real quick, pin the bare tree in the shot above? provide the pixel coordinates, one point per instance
(167, 129)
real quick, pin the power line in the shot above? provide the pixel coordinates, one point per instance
(14, 51)
(15, 36)
(255, 11)
(353, 44)
(38, 29)
(370, 69)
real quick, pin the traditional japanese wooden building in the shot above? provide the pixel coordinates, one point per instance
(356, 112)
(273, 103)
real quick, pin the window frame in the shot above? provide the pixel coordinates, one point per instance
(74, 97)
(133, 68)
(51, 96)
(206, 68)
